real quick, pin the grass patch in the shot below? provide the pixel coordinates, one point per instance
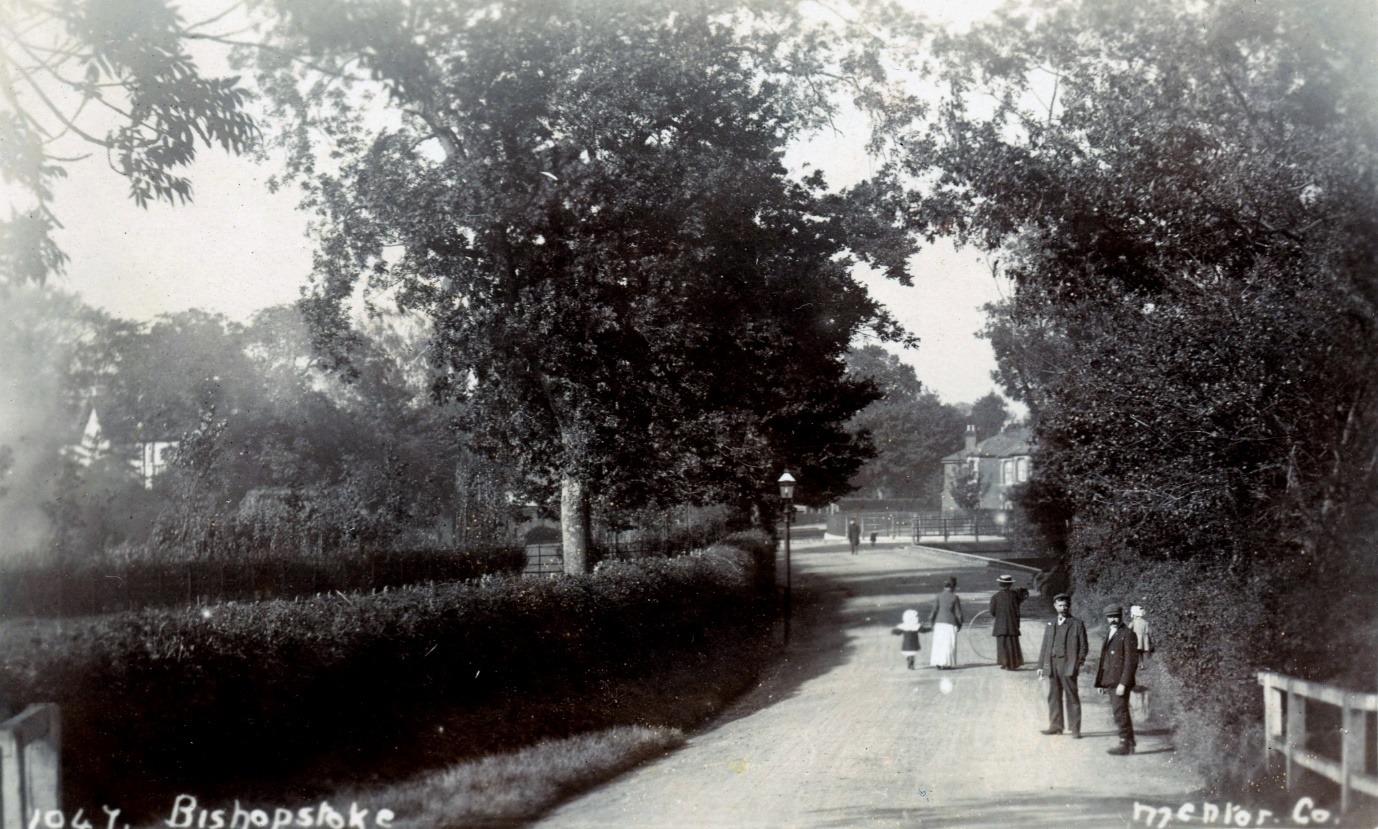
(511, 788)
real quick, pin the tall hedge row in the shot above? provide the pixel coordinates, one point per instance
(162, 698)
(111, 586)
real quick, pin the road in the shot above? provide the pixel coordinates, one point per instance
(841, 734)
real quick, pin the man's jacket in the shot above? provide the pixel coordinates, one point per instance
(1066, 641)
(1119, 660)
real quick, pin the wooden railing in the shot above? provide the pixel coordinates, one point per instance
(1284, 720)
(30, 767)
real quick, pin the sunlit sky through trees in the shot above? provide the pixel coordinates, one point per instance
(239, 248)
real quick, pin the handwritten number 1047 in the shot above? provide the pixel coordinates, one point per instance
(57, 819)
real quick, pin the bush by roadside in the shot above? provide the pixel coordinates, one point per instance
(1214, 629)
(117, 584)
(164, 700)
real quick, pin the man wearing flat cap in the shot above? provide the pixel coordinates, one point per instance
(1119, 660)
(1004, 609)
(1064, 650)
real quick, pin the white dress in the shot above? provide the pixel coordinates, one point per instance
(947, 614)
(943, 648)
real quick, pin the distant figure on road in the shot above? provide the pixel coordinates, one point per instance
(909, 629)
(946, 620)
(1060, 659)
(1119, 659)
(1139, 624)
(854, 535)
(1004, 609)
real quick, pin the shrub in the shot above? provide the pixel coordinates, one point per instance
(1214, 629)
(174, 697)
(137, 581)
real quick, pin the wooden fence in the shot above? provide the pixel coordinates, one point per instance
(1284, 719)
(30, 765)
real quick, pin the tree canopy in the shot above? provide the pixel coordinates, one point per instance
(109, 76)
(1185, 197)
(589, 203)
(911, 428)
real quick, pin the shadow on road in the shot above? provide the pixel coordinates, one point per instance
(1061, 809)
(834, 595)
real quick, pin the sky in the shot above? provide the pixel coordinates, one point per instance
(239, 248)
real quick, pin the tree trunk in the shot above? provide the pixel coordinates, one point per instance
(574, 524)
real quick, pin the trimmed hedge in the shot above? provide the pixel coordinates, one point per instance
(161, 699)
(1213, 630)
(115, 586)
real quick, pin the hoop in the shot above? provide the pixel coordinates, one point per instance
(971, 638)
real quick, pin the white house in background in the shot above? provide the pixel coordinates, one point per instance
(148, 458)
(1003, 461)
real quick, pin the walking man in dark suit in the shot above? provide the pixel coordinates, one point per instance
(1064, 650)
(1119, 660)
(854, 535)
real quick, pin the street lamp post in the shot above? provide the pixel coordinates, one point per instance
(787, 495)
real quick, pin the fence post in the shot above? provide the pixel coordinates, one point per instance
(1295, 739)
(1272, 718)
(1352, 749)
(30, 770)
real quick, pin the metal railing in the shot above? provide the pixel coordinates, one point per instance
(1284, 722)
(30, 765)
(543, 559)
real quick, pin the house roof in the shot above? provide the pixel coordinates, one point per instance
(116, 426)
(1008, 444)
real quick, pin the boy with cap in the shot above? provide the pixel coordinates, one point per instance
(1119, 660)
(1063, 652)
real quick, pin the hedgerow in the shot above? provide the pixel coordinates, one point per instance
(161, 699)
(105, 585)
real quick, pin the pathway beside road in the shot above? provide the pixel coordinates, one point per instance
(841, 734)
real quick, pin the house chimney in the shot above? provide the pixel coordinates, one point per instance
(971, 437)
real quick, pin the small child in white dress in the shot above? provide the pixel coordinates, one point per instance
(908, 628)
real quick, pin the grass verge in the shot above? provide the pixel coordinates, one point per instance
(511, 788)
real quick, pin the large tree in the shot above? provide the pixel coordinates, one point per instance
(588, 201)
(912, 430)
(1186, 199)
(989, 415)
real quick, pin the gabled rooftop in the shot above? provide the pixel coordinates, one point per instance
(1010, 443)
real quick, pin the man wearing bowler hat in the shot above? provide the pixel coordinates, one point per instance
(1119, 660)
(1064, 649)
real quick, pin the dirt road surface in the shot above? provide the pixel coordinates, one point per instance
(841, 734)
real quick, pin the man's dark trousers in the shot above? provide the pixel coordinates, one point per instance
(1059, 686)
(1119, 707)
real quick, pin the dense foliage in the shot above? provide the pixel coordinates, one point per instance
(270, 452)
(164, 701)
(589, 203)
(80, 587)
(1185, 197)
(911, 428)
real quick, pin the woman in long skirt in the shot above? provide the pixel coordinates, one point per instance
(946, 619)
